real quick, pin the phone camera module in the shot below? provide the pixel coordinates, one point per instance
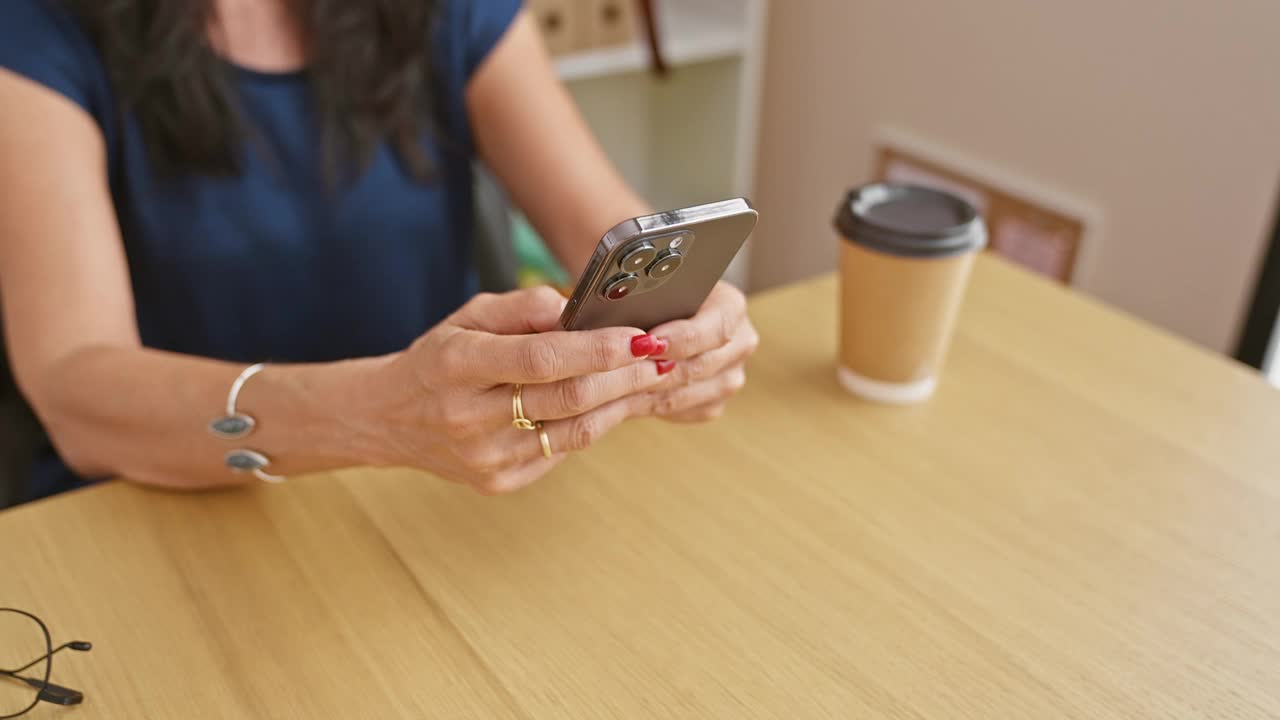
(621, 286)
(637, 257)
(666, 265)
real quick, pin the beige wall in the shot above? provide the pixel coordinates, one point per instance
(1164, 114)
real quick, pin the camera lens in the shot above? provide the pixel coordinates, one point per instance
(621, 286)
(637, 257)
(666, 265)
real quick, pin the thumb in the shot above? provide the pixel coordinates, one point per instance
(519, 312)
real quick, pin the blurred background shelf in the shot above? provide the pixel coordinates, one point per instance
(690, 137)
(693, 31)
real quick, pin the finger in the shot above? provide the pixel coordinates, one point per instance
(520, 312)
(713, 326)
(549, 356)
(702, 392)
(700, 414)
(581, 432)
(514, 448)
(577, 395)
(714, 362)
(516, 478)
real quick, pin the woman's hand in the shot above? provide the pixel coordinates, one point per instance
(450, 395)
(710, 352)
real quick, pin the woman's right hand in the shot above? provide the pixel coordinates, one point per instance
(447, 400)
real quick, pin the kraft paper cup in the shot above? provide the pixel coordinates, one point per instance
(905, 257)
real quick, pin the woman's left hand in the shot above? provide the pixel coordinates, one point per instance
(710, 352)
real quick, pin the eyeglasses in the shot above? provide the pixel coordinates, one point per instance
(26, 661)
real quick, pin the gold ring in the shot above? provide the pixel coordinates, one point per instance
(542, 437)
(519, 422)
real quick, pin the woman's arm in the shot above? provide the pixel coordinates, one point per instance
(113, 407)
(109, 405)
(532, 136)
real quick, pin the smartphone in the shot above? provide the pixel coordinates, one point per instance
(652, 269)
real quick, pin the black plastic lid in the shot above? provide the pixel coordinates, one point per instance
(910, 220)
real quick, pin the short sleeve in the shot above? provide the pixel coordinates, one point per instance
(465, 33)
(484, 24)
(43, 42)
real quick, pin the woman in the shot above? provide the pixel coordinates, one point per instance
(192, 186)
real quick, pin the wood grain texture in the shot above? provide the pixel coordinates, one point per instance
(1083, 523)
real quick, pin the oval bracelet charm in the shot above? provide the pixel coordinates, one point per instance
(232, 427)
(251, 461)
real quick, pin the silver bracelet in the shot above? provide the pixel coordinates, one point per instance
(235, 425)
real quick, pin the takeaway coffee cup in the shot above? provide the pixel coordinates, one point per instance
(905, 256)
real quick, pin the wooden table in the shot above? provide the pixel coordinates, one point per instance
(1084, 523)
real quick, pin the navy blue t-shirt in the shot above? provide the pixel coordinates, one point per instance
(276, 264)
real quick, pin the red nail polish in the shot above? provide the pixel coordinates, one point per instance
(665, 366)
(644, 345)
(662, 346)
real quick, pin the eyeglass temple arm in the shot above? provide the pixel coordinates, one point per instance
(79, 645)
(49, 692)
(59, 695)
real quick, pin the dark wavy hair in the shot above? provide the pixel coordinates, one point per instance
(369, 65)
